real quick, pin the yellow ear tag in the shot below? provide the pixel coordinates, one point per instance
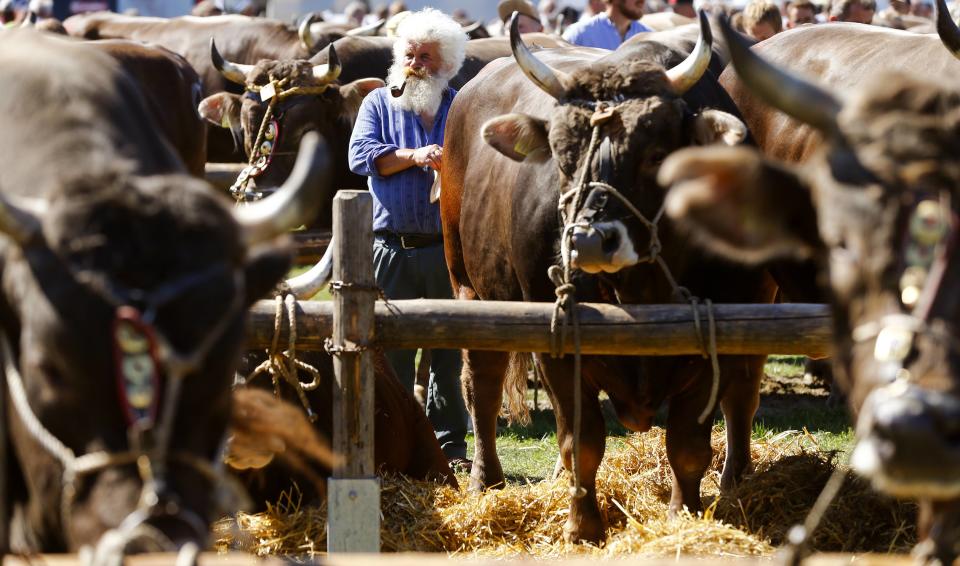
(267, 92)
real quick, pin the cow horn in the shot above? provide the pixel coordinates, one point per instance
(311, 282)
(296, 202)
(947, 29)
(233, 72)
(472, 27)
(30, 20)
(21, 217)
(550, 80)
(688, 72)
(326, 74)
(368, 30)
(801, 100)
(305, 33)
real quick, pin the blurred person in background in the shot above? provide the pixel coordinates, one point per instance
(761, 19)
(683, 8)
(610, 28)
(395, 8)
(529, 18)
(801, 12)
(548, 14)
(355, 12)
(857, 11)
(592, 8)
(922, 9)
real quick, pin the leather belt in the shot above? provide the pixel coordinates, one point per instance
(410, 241)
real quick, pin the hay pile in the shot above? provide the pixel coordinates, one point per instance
(634, 486)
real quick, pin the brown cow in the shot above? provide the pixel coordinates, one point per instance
(361, 65)
(123, 287)
(876, 208)
(501, 234)
(404, 441)
(171, 90)
(242, 39)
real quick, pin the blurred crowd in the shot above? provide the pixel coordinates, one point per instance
(759, 19)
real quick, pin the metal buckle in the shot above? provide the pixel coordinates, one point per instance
(403, 244)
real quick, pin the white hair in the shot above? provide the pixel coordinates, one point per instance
(433, 26)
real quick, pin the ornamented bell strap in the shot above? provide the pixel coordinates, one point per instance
(137, 367)
(260, 159)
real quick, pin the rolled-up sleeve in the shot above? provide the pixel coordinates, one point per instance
(366, 141)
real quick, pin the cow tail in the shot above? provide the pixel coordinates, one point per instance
(515, 408)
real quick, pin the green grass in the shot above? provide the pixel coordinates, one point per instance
(529, 453)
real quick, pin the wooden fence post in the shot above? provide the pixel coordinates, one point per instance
(353, 503)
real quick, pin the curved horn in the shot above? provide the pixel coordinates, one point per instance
(298, 199)
(325, 74)
(311, 282)
(801, 100)
(233, 72)
(947, 29)
(305, 33)
(21, 218)
(540, 73)
(688, 72)
(472, 27)
(368, 30)
(30, 20)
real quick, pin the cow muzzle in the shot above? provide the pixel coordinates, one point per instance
(909, 442)
(602, 246)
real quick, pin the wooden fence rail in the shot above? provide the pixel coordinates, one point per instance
(605, 329)
(440, 559)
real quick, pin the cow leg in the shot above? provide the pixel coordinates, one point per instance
(939, 529)
(742, 375)
(585, 523)
(688, 442)
(482, 375)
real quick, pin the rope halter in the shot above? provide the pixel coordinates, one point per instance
(268, 135)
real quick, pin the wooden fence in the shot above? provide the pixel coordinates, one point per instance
(356, 320)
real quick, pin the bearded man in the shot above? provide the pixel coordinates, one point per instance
(608, 29)
(398, 143)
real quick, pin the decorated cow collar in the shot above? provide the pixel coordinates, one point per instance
(926, 247)
(260, 158)
(262, 152)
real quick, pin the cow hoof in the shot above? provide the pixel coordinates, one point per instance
(584, 532)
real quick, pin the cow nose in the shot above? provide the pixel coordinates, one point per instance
(909, 441)
(593, 247)
(917, 417)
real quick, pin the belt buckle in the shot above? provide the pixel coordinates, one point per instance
(403, 244)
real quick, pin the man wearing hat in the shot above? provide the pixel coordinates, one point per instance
(398, 143)
(529, 18)
(610, 28)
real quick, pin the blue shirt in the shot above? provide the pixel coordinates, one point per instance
(401, 202)
(599, 31)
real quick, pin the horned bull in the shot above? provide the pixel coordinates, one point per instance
(582, 132)
(875, 207)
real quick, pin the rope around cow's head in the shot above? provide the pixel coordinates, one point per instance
(268, 135)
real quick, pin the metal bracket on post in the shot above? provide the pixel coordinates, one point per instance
(353, 505)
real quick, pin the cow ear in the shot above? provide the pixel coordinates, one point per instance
(354, 93)
(266, 266)
(518, 136)
(715, 126)
(221, 109)
(740, 206)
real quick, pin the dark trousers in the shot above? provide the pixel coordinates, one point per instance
(421, 273)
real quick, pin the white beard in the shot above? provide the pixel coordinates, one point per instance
(421, 95)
